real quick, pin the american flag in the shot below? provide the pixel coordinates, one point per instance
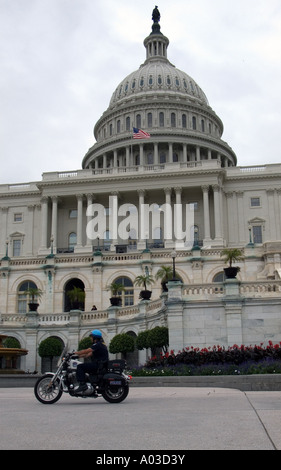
(139, 134)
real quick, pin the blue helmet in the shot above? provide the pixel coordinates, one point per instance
(96, 334)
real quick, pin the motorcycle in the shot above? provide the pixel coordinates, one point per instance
(110, 381)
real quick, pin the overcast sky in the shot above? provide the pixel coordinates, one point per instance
(61, 60)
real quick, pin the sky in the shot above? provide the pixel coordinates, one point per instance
(61, 61)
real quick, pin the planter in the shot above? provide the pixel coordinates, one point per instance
(115, 301)
(164, 286)
(231, 273)
(145, 294)
(33, 306)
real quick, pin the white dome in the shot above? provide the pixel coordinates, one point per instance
(157, 76)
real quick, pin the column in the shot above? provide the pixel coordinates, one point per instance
(104, 161)
(54, 222)
(113, 221)
(168, 220)
(271, 214)
(79, 219)
(178, 220)
(127, 157)
(207, 231)
(89, 218)
(141, 154)
(30, 230)
(242, 227)
(217, 212)
(156, 157)
(115, 158)
(184, 153)
(142, 229)
(170, 153)
(231, 218)
(198, 155)
(3, 231)
(44, 222)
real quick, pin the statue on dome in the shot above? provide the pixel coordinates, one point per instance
(156, 15)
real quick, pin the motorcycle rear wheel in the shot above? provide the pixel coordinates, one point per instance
(47, 392)
(115, 394)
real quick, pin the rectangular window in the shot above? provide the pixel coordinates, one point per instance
(255, 202)
(257, 234)
(16, 247)
(17, 217)
(73, 214)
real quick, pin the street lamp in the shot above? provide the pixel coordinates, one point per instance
(173, 255)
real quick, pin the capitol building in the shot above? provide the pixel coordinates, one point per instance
(159, 187)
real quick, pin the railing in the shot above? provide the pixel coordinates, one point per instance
(84, 318)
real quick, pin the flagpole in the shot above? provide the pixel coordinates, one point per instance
(132, 158)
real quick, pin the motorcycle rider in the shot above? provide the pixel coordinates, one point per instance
(98, 352)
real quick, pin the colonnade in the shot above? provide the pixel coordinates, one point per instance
(210, 199)
(156, 153)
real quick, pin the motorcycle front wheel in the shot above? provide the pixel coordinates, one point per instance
(115, 394)
(47, 392)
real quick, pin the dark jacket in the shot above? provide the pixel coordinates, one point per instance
(100, 352)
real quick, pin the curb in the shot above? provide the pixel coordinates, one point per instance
(245, 383)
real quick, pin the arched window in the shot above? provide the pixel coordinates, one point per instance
(161, 119)
(24, 297)
(173, 120)
(72, 241)
(194, 124)
(138, 121)
(149, 120)
(74, 300)
(128, 123)
(127, 294)
(184, 121)
(118, 126)
(219, 277)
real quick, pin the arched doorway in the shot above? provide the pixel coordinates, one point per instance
(69, 302)
(49, 362)
(132, 358)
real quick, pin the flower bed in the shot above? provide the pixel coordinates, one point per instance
(216, 360)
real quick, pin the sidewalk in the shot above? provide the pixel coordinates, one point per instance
(151, 419)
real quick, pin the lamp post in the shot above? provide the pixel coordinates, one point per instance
(173, 255)
(250, 236)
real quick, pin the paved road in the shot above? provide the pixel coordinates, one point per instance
(149, 419)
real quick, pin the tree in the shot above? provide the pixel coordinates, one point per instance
(85, 343)
(122, 343)
(142, 340)
(231, 255)
(50, 347)
(11, 342)
(116, 288)
(34, 293)
(76, 297)
(165, 273)
(144, 280)
(158, 337)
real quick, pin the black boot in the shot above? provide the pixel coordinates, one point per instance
(82, 387)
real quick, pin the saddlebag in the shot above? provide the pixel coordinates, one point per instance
(114, 380)
(116, 366)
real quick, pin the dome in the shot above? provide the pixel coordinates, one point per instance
(169, 106)
(159, 77)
